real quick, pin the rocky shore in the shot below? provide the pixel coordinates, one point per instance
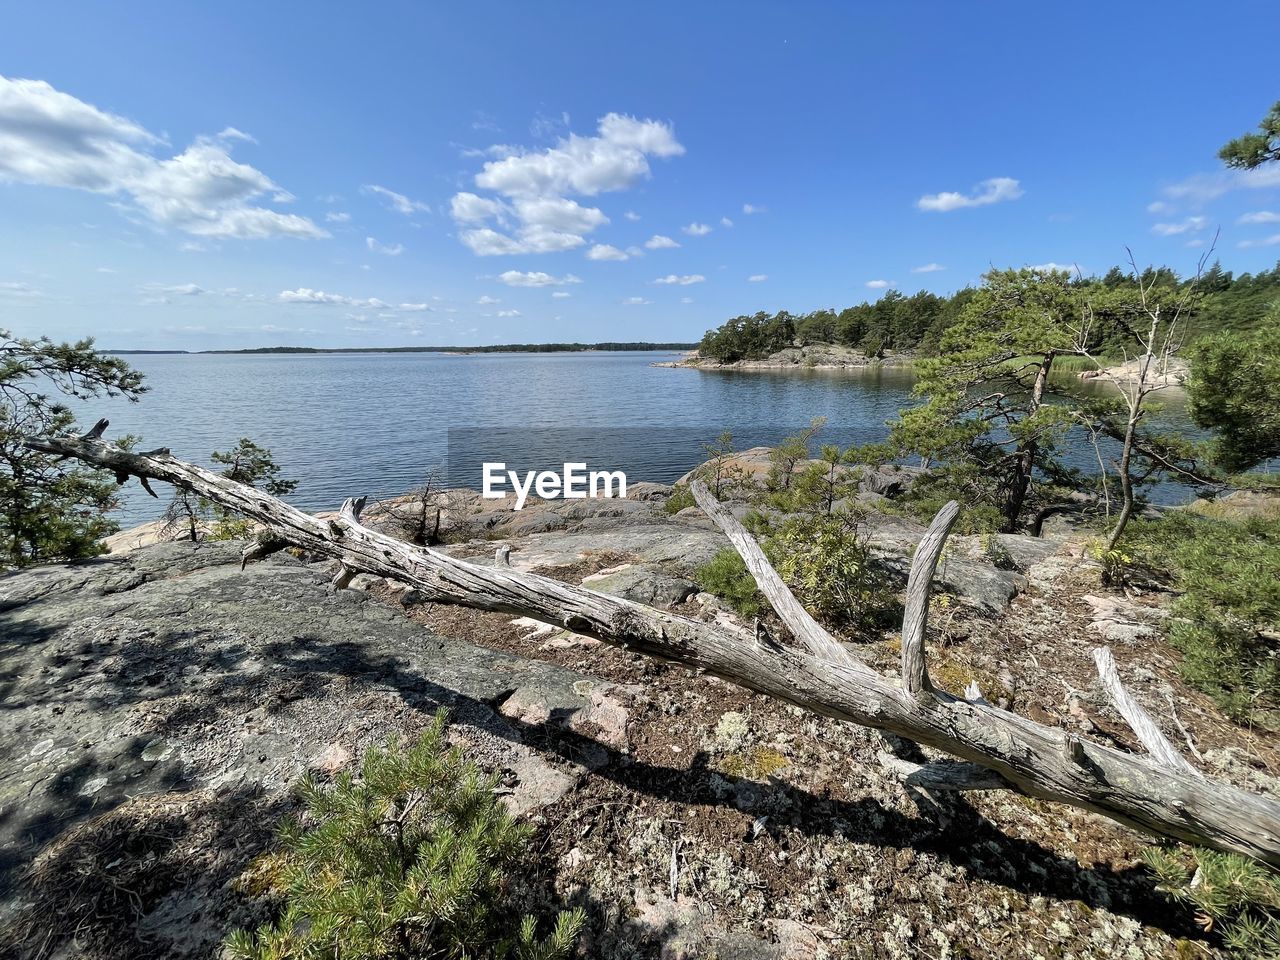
(817, 356)
(160, 702)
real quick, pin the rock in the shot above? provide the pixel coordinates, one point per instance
(166, 671)
(889, 480)
(643, 585)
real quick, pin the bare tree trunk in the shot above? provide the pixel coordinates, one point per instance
(1000, 749)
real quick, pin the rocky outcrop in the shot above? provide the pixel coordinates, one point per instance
(811, 356)
(167, 683)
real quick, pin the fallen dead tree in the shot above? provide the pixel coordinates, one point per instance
(1159, 792)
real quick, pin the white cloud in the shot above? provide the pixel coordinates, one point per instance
(686, 299)
(1261, 216)
(659, 242)
(879, 284)
(603, 251)
(104, 270)
(536, 278)
(635, 301)
(697, 229)
(509, 313)
(396, 201)
(995, 190)
(757, 278)
(471, 208)
(750, 208)
(1270, 241)
(928, 268)
(487, 300)
(307, 295)
(416, 307)
(632, 215)
(19, 290)
(391, 251)
(337, 217)
(1159, 206)
(726, 222)
(1189, 225)
(50, 138)
(1200, 188)
(532, 188)
(178, 289)
(684, 281)
(1052, 267)
(561, 295)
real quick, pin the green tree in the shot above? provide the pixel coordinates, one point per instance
(1234, 390)
(189, 516)
(52, 510)
(410, 861)
(986, 417)
(1254, 149)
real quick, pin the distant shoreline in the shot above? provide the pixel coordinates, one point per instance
(494, 348)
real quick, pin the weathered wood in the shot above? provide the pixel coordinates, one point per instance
(1139, 721)
(807, 630)
(915, 620)
(1045, 762)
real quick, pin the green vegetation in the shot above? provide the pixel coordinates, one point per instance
(726, 577)
(1225, 621)
(1235, 391)
(192, 517)
(918, 322)
(1255, 149)
(1234, 897)
(413, 859)
(51, 510)
(825, 560)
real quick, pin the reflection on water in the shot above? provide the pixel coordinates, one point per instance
(377, 424)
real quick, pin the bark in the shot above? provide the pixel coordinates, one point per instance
(999, 748)
(1027, 450)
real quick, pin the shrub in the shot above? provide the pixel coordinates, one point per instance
(1235, 897)
(1224, 623)
(997, 553)
(825, 560)
(681, 497)
(726, 577)
(409, 860)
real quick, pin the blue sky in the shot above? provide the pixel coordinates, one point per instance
(192, 176)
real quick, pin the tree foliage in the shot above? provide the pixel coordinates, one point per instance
(411, 860)
(917, 322)
(191, 517)
(1234, 390)
(51, 510)
(1254, 149)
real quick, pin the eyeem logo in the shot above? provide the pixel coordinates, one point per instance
(575, 483)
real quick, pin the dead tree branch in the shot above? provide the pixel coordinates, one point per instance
(1150, 792)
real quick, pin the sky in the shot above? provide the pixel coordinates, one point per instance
(182, 176)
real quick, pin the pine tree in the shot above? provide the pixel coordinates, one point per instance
(52, 510)
(409, 860)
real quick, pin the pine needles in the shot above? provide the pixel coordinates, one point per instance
(410, 859)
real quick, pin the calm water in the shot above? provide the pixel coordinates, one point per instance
(377, 424)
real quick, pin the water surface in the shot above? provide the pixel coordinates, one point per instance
(377, 424)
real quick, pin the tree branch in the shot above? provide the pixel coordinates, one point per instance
(1139, 791)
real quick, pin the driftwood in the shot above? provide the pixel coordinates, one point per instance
(1157, 792)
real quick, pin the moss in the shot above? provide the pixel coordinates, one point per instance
(758, 763)
(954, 676)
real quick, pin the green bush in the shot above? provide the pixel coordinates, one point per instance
(408, 861)
(825, 561)
(726, 577)
(1237, 898)
(681, 497)
(1225, 620)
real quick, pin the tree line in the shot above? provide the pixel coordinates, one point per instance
(918, 322)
